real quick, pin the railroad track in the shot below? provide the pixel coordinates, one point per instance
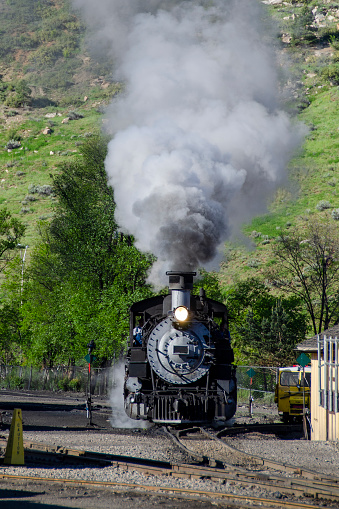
(232, 500)
(41, 454)
(208, 448)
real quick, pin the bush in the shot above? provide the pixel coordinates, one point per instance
(12, 144)
(323, 205)
(335, 214)
(331, 73)
(63, 384)
(45, 190)
(75, 384)
(17, 383)
(30, 197)
(73, 115)
(253, 264)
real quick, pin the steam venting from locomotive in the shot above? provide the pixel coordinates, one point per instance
(199, 141)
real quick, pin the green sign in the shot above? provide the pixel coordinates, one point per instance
(250, 373)
(303, 360)
(90, 358)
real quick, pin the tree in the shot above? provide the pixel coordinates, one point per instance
(21, 96)
(307, 267)
(11, 231)
(85, 274)
(264, 327)
(272, 339)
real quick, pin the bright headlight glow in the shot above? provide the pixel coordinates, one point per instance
(181, 313)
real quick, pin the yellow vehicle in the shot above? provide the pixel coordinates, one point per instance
(293, 392)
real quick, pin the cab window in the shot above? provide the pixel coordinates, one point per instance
(289, 378)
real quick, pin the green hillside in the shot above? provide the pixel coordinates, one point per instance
(51, 99)
(46, 76)
(309, 32)
(86, 274)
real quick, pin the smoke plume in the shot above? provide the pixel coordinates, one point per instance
(199, 141)
(119, 418)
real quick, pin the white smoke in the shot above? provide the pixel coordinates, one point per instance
(119, 417)
(199, 142)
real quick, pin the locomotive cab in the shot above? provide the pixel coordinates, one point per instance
(180, 369)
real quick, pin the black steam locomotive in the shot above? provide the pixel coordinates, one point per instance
(179, 363)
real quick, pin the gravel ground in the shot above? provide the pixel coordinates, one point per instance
(150, 443)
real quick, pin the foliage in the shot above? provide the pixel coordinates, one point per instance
(331, 73)
(85, 274)
(273, 338)
(302, 29)
(258, 320)
(307, 267)
(11, 231)
(21, 95)
(210, 283)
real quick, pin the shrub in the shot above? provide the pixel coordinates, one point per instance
(331, 73)
(323, 205)
(30, 197)
(63, 384)
(12, 144)
(335, 214)
(12, 134)
(45, 190)
(75, 384)
(253, 264)
(73, 115)
(255, 234)
(17, 383)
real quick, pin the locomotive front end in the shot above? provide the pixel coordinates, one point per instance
(180, 370)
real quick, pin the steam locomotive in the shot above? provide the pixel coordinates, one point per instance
(179, 363)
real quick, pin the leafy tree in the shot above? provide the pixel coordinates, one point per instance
(209, 281)
(11, 231)
(12, 338)
(85, 274)
(259, 320)
(272, 339)
(21, 95)
(307, 267)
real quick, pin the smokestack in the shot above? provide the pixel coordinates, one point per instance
(180, 286)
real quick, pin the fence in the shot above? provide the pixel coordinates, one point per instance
(56, 379)
(76, 379)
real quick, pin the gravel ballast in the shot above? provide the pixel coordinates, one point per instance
(152, 443)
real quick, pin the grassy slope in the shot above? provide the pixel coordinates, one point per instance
(314, 171)
(42, 42)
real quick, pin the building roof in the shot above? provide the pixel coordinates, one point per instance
(311, 344)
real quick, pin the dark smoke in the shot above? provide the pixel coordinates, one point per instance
(198, 140)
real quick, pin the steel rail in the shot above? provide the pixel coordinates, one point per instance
(40, 452)
(168, 491)
(276, 465)
(318, 486)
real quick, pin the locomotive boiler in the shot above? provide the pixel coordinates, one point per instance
(179, 366)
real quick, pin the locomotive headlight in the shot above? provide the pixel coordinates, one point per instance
(181, 313)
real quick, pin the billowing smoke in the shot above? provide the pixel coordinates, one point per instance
(119, 418)
(198, 140)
